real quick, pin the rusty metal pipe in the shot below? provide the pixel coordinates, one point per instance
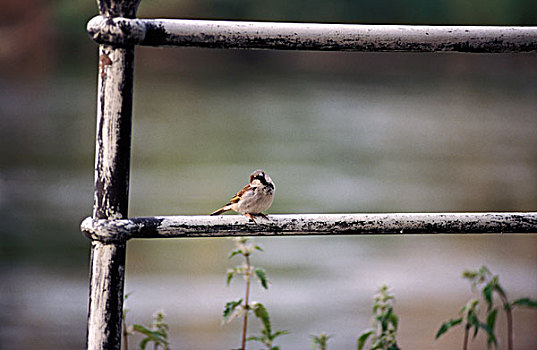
(311, 36)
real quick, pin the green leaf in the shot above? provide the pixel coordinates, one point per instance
(525, 302)
(394, 320)
(491, 322)
(484, 271)
(152, 335)
(230, 275)
(499, 288)
(469, 274)
(384, 319)
(362, 339)
(321, 340)
(260, 339)
(278, 333)
(141, 329)
(159, 336)
(491, 337)
(259, 248)
(235, 252)
(144, 342)
(262, 276)
(230, 308)
(491, 318)
(446, 326)
(261, 312)
(473, 321)
(375, 307)
(487, 294)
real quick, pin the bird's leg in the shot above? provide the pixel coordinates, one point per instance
(251, 217)
(264, 216)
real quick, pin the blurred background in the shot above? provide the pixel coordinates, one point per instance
(337, 132)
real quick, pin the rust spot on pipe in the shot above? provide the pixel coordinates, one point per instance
(104, 61)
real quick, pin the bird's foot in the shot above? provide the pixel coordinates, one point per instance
(251, 217)
(264, 216)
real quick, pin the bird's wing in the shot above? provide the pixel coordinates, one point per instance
(239, 194)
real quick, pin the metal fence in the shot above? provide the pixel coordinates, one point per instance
(118, 31)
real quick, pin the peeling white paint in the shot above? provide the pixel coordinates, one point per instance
(312, 36)
(114, 87)
(111, 111)
(311, 224)
(116, 27)
(106, 294)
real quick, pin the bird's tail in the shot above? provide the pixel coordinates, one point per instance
(220, 211)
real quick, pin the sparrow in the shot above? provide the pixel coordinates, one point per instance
(254, 198)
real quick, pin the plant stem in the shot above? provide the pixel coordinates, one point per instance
(125, 334)
(246, 302)
(509, 328)
(465, 341)
(509, 314)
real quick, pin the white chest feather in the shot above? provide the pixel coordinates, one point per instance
(256, 201)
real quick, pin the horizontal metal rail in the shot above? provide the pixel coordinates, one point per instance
(309, 224)
(311, 36)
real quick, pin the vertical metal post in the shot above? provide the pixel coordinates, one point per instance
(112, 164)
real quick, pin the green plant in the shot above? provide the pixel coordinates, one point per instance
(489, 284)
(470, 319)
(384, 324)
(124, 329)
(266, 337)
(242, 307)
(319, 342)
(157, 332)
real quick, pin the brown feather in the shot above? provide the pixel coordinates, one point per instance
(220, 211)
(239, 194)
(233, 200)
